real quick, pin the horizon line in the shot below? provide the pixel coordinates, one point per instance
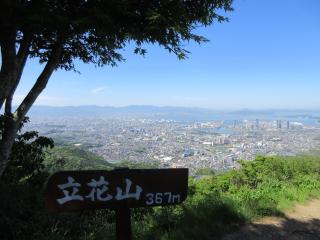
(187, 107)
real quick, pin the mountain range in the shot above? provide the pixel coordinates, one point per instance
(186, 114)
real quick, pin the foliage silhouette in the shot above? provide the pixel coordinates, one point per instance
(93, 31)
(26, 163)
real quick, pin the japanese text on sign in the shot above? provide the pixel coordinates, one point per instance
(79, 190)
(99, 192)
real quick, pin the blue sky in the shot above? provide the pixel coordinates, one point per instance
(266, 56)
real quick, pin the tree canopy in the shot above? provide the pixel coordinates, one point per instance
(93, 30)
(58, 32)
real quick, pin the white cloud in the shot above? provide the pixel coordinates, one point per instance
(97, 90)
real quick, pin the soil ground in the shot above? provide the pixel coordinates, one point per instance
(300, 223)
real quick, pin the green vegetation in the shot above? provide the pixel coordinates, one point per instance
(26, 160)
(74, 158)
(205, 172)
(78, 158)
(216, 204)
(128, 164)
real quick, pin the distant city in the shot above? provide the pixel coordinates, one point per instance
(217, 144)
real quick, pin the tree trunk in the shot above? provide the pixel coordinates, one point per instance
(6, 143)
(5, 151)
(10, 74)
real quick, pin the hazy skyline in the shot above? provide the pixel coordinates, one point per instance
(267, 56)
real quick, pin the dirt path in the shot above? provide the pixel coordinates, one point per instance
(302, 223)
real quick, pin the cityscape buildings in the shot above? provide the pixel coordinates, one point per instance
(213, 144)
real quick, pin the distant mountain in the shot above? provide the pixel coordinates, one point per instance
(174, 113)
(184, 114)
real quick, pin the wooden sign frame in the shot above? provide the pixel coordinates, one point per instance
(80, 190)
(119, 189)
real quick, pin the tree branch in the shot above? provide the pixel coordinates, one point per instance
(22, 57)
(40, 83)
(8, 62)
(8, 106)
(23, 51)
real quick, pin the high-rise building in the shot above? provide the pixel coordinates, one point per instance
(257, 123)
(288, 125)
(279, 124)
(235, 123)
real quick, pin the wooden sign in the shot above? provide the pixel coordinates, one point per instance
(121, 188)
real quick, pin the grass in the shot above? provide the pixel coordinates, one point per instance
(216, 204)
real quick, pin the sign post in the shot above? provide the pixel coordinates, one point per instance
(123, 224)
(119, 189)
